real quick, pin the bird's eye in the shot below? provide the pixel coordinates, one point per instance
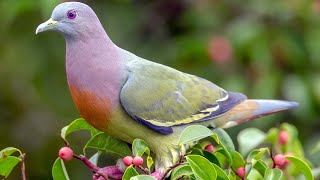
(71, 14)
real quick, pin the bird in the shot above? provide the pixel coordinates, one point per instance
(130, 97)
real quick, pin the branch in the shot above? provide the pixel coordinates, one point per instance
(23, 167)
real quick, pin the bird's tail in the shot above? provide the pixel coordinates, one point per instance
(252, 109)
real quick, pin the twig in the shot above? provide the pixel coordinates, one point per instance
(271, 156)
(145, 170)
(86, 161)
(23, 167)
(104, 177)
(65, 142)
(173, 166)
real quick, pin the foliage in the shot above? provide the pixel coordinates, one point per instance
(224, 163)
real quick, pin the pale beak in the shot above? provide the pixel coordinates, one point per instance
(46, 26)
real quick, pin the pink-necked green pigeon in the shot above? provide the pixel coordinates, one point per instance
(130, 97)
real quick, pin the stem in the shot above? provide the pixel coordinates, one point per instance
(65, 142)
(145, 170)
(86, 161)
(271, 156)
(173, 166)
(23, 167)
(104, 177)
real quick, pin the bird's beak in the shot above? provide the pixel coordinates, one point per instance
(46, 26)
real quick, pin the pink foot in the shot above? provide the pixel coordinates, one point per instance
(108, 172)
(158, 175)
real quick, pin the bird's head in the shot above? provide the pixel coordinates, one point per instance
(72, 19)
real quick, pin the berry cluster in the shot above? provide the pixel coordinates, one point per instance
(128, 160)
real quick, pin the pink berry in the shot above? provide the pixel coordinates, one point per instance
(283, 137)
(279, 160)
(220, 50)
(209, 148)
(66, 153)
(137, 161)
(241, 172)
(127, 160)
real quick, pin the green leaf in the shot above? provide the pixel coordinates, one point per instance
(59, 171)
(223, 159)
(232, 175)
(238, 160)
(272, 135)
(194, 133)
(201, 167)
(197, 149)
(301, 166)
(254, 175)
(212, 158)
(272, 174)
(130, 172)
(142, 177)
(224, 140)
(139, 147)
(292, 130)
(77, 125)
(149, 162)
(182, 170)
(104, 142)
(8, 151)
(257, 154)
(250, 138)
(294, 146)
(220, 173)
(261, 167)
(7, 164)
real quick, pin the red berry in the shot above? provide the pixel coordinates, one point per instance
(66, 153)
(284, 165)
(137, 161)
(209, 148)
(220, 49)
(127, 160)
(283, 137)
(241, 172)
(279, 160)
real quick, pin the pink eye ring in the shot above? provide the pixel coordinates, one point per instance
(71, 14)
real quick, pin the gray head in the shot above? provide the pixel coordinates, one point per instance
(72, 19)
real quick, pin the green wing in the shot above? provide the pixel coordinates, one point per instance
(160, 96)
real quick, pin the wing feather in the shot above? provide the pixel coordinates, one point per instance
(161, 97)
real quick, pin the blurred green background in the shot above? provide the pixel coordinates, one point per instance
(263, 48)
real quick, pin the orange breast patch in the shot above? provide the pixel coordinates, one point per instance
(94, 109)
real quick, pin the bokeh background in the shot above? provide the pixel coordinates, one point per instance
(263, 48)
